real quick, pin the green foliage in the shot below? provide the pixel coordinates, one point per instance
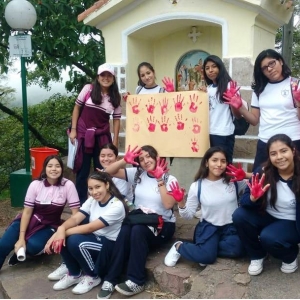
(59, 42)
(51, 118)
(295, 66)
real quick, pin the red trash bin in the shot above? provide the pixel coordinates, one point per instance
(38, 156)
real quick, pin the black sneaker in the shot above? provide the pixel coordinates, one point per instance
(106, 290)
(13, 260)
(129, 288)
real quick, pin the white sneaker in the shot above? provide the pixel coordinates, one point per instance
(256, 266)
(58, 273)
(289, 268)
(172, 256)
(202, 265)
(198, 214)
(66, 281)
(86, 284)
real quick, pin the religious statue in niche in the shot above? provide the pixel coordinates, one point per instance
(189, 72)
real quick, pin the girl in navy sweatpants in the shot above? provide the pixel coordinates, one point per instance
(268, 220)
(215, 235)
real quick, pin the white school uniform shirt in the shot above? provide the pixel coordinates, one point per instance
(220, 116)
(111, 214)
(124, 187)
(144, 90)
(147, 193)
(218, 201)
(285, 206)
(277, 111)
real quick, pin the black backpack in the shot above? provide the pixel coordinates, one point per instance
(241, 126)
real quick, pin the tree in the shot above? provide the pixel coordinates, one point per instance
(48, 121)
(288, 41)
(59, 42)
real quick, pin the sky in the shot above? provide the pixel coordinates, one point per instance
(35, 94)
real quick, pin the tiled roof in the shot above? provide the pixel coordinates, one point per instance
(97, 5)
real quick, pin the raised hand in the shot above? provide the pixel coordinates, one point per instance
(256, 186)
(176, 191)
(232, 97)
(296, 91)
(169, 84)
(237, 174)
(161, 168)
(131, 155)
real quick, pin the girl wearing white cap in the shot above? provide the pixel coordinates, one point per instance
(90, 123)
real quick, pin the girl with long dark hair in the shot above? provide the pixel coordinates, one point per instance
(214, 236)
(44, 203)
(93, 108)
(268, 221)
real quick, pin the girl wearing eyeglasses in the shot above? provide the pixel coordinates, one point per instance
(275, 105)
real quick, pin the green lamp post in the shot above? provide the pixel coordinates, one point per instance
(21, 17)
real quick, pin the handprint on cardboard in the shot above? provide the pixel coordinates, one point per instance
(135, 105)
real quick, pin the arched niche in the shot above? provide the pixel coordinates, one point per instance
(188, 73)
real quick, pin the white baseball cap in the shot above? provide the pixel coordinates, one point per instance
(106, 68)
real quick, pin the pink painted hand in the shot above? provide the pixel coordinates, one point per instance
(296, 93)
(237, 174)
(256, 186)
(161, 168)
(131, 155)
(57, 245)
(125, 96)
(176, 191)
(169, 84)
(232, 97)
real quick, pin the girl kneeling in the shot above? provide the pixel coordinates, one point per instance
(105, 210)
(215, 235)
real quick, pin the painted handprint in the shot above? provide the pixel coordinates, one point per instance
(135, 105)
(164, 106)
(152, 123)
(136, 125)
(180, 123)
(178, 103)
(295, 90)
(193, 106)
(151, 106)
(196, 125)
(164, 124)
(194, 146)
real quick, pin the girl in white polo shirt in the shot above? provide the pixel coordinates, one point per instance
(268, 221)
(273, 104)
(215, 235)
(105, 210)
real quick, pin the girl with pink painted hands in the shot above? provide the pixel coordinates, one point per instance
(152, 188)
(268, 220)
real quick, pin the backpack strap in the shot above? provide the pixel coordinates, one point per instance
(139, 89)
(88, 94)
(199, 189)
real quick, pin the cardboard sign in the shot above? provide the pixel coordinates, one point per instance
(175, 124)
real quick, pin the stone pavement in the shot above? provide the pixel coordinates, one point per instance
(226, 279)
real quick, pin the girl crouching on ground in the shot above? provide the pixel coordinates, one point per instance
(105, 210)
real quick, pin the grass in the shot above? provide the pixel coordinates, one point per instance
(5, 194)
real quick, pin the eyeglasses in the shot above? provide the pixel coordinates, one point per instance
(271, 65)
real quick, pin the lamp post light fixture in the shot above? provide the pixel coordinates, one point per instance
(21, 17)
